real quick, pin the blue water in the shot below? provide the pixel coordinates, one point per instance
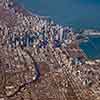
(77, 13)
(80, 14)
(92, 47)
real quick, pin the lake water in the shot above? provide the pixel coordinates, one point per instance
(92, 47)
(80, 14)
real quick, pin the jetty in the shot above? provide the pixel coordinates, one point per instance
(91, 33)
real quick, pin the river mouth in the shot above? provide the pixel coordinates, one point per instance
(91, 47)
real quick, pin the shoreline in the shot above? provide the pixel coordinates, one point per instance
(30, 13)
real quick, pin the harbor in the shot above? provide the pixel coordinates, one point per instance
(88, 41)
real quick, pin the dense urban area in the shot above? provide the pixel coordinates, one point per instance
(42, 60)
